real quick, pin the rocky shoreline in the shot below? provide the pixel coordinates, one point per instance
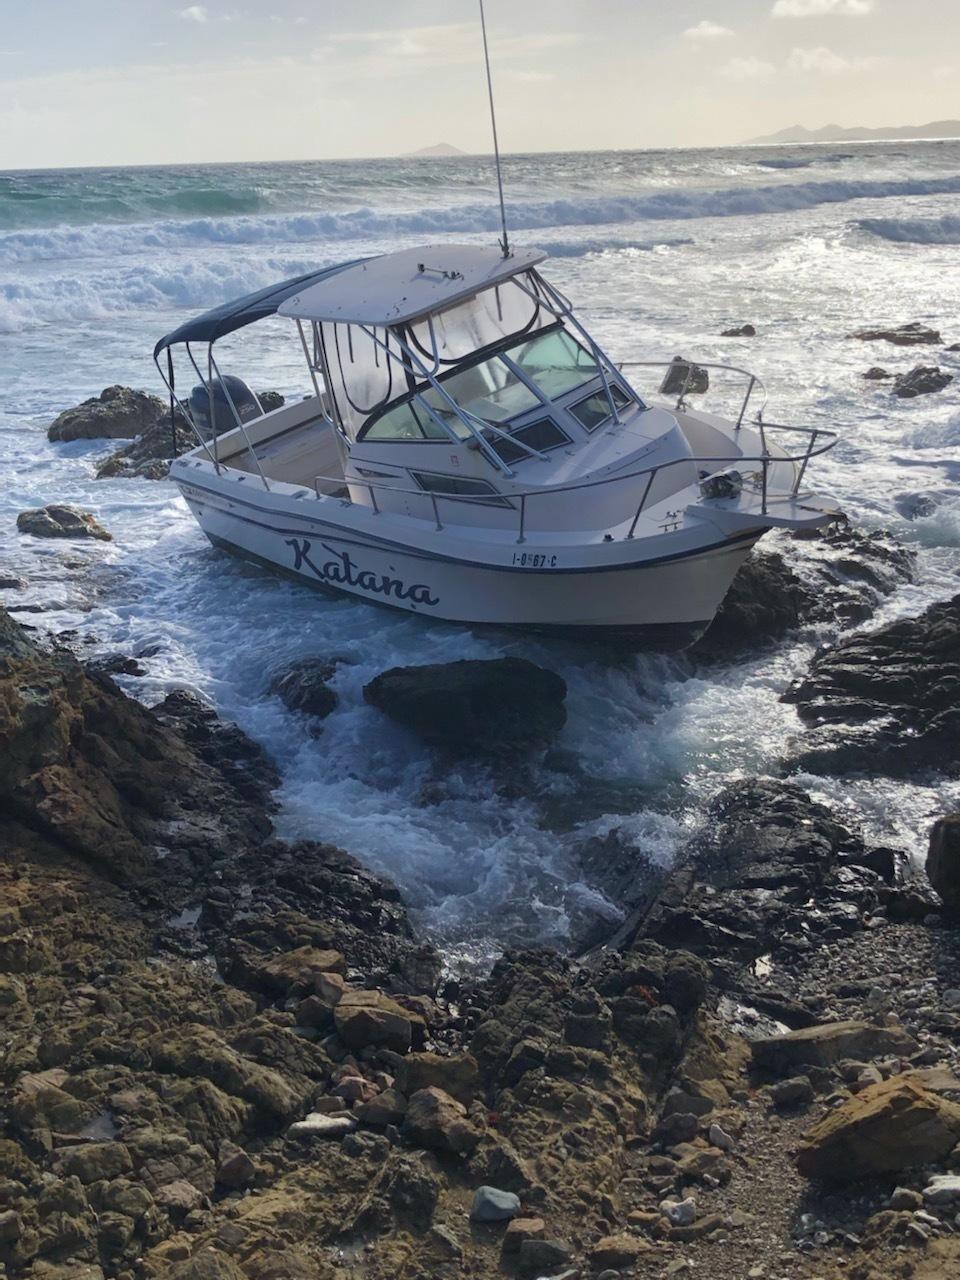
(228, 1056)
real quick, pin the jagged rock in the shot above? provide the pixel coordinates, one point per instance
(876, 374)
(884, 701)
(388, 1107)
(457, 1074)
(236, 1170)
(117, 413)
(493, 1205)
(943, 860)
(295, 972)
(797, 1091)
(206, 1264)
(59, 521)
(826, 1044)
(743, 331)
(473, 706)
(521, 1229)
(684, 377)
(303, 686)
(365, 1018)
(924, 380)
(904, 335)
(96, 1161)
(438, 1122)
(886, 1128)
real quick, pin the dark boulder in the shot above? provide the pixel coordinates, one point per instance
(117, 413)
(304, 686)
(924, 380)
(904, 335)
(885, 701)
(943, 860)
(474, 706)
(744, 331)
(876, 374)
(61, 521)
(685, 378)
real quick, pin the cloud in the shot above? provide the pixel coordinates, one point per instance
(944, 73)
(745, 69)
(826, 62)
(706, 30)
(194, 13)
(822, 8)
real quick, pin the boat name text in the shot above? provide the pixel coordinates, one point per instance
(343, 572)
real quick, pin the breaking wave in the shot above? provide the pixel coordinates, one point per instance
(367, 223)
(914, 230)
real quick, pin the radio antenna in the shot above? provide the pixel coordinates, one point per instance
(504, 243)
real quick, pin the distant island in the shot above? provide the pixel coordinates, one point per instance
(837, 133)
(438, 149)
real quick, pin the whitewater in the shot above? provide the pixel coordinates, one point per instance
(661, 250)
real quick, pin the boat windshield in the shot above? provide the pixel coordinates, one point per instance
(495, 390)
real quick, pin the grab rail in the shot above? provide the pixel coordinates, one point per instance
(813, 434)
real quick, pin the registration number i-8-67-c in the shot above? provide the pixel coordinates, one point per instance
(534, 560)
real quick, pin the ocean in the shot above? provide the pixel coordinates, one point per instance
(661, 251)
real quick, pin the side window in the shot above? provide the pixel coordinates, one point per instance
(542, 435)
(480, 491)
(594, 411)
(407, 421)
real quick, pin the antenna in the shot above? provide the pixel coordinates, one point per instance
(504, 243)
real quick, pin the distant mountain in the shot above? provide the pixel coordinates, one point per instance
(438, 149)
(837, 133)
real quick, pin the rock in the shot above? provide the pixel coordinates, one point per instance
(319, 1125)
(685, 378)
(179, 1197)
(617, 1252)
(795, 1092)
(904, 1198)
(943, 860)
(884, 701)
(943, 1188)
(9, 583)
(304, 686)
(365, 1018)
(11, 1226)
(492, 1205)
(886, 1128)
(825, 1044)
(876, 374)
(458, 1074)
(96, 1161)
(744, 331)
(521, 1229)
(207, 1264)
(720, 1138)
(388, 1107)
(117, 413)
(236, 1170)
(905, 335)
(680, 1213)
(438, 1122)
(58, 521)
(472, 706)
(545, 1256)
(924, 380)
(295, 972)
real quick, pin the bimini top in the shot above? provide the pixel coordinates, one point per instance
(230, 316)
(398, 288)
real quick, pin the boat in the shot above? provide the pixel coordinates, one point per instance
(467, 452)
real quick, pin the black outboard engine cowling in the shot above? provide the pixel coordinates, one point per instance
(244, 401)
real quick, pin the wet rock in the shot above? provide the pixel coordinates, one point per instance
(304, 686)
(473, 706)
(924, 380)
(743, 331)
(438, 1122)
(365, 1018)
(943, 860)
(826, 1044)
(876, 374)
(886, 1128)
(9, 583)
(117, 413)
(685, 378)
(319, 1125)
(904, 335)
(59, 521)
(884, 701)
(457, 1074)
(492, 1205)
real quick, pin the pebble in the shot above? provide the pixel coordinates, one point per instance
(490, 1204)
(681, 1213)
(720, 1138)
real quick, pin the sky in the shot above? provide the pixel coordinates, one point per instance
(111, 82)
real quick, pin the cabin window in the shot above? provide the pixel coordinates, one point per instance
(555, 361)
(542, 435)
(481, 491)
(594, 411)
(405, 421)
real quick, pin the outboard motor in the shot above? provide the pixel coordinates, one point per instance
(244, 401)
